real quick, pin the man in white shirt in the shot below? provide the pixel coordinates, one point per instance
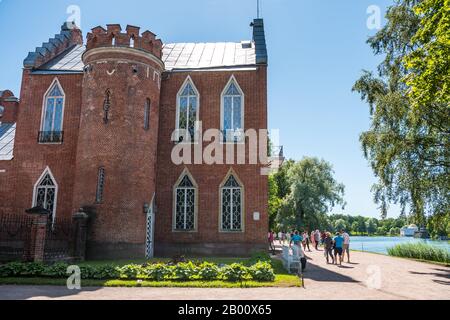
(346, 246)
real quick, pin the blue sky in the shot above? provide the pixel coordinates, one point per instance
(316, 51)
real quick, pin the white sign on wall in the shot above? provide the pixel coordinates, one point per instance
(256, 216)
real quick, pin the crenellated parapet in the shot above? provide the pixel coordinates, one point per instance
(69, 36)
(114, 37)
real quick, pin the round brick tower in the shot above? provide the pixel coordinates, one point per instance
(117, 143)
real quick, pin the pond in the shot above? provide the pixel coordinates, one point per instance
(381, 244)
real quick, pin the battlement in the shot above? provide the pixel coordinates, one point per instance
(69, 36)
(113, 37)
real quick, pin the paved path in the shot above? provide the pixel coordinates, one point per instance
(370, 276)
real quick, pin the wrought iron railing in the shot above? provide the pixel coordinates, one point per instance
(50, 136)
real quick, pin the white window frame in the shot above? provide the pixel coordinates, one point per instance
(44, 108)
(174, 214)
(36, 185)
(187, 81)
(222, 110)
(231, 172)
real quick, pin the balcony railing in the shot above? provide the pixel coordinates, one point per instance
(50, 136)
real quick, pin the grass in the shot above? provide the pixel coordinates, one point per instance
(420, 251)
(282, 277)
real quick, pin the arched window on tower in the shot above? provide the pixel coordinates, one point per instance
(132, 41)
(113, 40)
(52, 115)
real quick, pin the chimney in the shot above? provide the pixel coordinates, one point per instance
(259, 39)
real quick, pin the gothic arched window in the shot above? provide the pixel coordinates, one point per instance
(231, 205)
(52, 115)
(45, 193)
(185, 206)
(187, 111)
(232, 112)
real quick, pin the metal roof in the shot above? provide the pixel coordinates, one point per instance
(7, 135)
(175, 56)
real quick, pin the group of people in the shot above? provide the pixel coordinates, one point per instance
(335, 247)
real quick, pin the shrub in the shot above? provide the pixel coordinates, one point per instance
(259, 256)
(106, 272)
(11, 269)
(157, 271)
(87, 272)
(208, 271)
(130, 271)
(57, 270)
(235, 272)
(184, 271)
(420, 251)
(262, 271)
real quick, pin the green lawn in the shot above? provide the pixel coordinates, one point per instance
(282, 277)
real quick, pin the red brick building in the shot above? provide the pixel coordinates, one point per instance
(96, 125)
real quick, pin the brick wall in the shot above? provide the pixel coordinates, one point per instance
(30, 157)
(207, 239)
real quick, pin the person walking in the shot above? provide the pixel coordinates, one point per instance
(306, 240)
(271, 238)
(312, 238)
(338, 245)
(328, 245)
(283, 237)
(317, 239)
(346, 246)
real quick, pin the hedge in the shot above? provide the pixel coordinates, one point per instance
(184, 271)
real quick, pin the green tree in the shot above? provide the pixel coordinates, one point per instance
(313, 193)
(429, 63)
(408, 142)
(274, 201)
(371, 225)
(340, 224)
(354, 227)
(395, 231)
(361, 225)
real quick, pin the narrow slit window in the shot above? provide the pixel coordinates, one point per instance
(100, 185)
(106, 106)
(147, 110)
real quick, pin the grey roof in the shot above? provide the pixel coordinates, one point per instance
(208, 55)
(70, 60)
(175, 56)
(7, 135)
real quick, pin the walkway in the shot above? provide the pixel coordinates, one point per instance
(369, 276)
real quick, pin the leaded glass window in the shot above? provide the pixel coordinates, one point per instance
(53, 110)
(45, 194)
(232, 113)
(187, 112)
(231, 194)
(185, 197)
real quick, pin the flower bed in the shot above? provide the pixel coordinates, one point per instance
(261, 271)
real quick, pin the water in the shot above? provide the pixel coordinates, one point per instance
(381, 244)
